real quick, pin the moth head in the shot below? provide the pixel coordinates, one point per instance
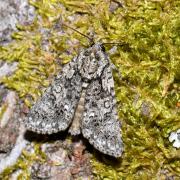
(92, 61)
(100, 47)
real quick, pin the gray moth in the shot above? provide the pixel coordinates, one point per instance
(81, 99)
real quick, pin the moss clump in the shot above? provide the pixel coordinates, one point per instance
(148, 58)
(24, 163)
(2, 110)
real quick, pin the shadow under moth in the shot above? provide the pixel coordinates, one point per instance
(81, 98)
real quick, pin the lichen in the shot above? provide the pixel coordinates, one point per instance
(148, 57)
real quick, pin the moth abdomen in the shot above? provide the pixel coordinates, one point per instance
(75, 128)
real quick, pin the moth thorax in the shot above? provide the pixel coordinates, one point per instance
(93, 65)
(89, 68)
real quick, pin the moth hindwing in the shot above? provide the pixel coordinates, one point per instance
(81, 98)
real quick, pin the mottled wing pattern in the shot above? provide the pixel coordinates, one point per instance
(100, 124)
(54, 111)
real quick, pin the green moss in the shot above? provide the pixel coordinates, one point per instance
(23, 164)
(149, 61)
(2, 110)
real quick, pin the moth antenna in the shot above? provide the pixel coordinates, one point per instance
(90, 39)
(118, 43)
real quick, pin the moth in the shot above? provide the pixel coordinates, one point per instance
(81, 99)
